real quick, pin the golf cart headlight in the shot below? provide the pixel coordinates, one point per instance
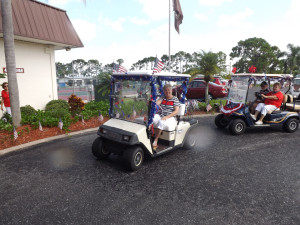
(103, 131)
(126, 138)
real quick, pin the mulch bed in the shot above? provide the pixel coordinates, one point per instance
(27, 134)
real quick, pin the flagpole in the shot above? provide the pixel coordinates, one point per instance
(169, 35)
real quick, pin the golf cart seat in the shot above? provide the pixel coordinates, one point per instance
(290, 105)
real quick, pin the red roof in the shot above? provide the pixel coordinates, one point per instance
(35, 21)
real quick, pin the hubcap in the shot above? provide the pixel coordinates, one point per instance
(138, 159)
(239, 127)
(293, 125)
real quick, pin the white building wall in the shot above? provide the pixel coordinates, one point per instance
(37, 85)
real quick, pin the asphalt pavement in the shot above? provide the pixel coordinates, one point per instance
(249, 179)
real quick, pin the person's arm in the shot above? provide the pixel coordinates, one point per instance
(158, 102)
(2, 102)
(174, 113)
(269, 97)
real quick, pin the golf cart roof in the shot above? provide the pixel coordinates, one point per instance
(261, 75)
(150, 74)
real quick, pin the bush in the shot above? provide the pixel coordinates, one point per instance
(76, 105)
(27, 110)
(93, 108)
(57, 104)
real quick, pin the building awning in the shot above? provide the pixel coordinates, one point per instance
(38, 22)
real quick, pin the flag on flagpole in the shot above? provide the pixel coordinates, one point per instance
(82, 120)
(40, 126)
(158, 66)
(178, 14)
(60, 124)
(100, 117)
(119, 68)
(15, 134)
(208, 107)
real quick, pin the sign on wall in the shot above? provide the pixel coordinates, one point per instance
(18, 70)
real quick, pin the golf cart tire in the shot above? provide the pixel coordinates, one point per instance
(98, 149)
(291, 125)
(220, 121)
(190, 140)
(237, 126)
(134, 157)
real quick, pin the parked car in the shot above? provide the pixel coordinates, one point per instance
(196, 90)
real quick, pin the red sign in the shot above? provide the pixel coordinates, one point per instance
(18, 70)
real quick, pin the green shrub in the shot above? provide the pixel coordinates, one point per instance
(27, 110)
(93, 108)
(57, 104)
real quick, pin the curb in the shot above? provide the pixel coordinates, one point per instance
(29, 144)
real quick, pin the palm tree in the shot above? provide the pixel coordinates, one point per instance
(209, 65)
(293, 57)
(9, 50)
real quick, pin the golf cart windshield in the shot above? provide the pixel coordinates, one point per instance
(130, 99)
(238, 89)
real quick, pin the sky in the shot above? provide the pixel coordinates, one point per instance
(135, 29)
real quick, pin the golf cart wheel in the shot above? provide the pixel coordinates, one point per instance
(134, 157)
(237, 126)
(291, 125)
(221, 121)
(98, 149)
(190, 140)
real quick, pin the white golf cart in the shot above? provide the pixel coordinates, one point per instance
(129, 132)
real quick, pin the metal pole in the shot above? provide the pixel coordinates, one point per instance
(73, 78)
(169, 35)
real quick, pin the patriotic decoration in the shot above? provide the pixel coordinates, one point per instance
(82, 120)
(118, 68)
(40, 126)
(117, 115)
(234, 70)
(100, 117)
(60, 124)
(158, 66)
(231, 107)
(15, 134)
(252, 69)
(208, 107)
(133, 112)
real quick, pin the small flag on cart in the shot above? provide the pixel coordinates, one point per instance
(208, 107)
(40, 126)
(100, 117)
(158, 66)
(60, 124)
(15, 134)
(119, 68)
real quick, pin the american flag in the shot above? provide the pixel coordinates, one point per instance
(40, 126)
(208, 107)
(119, 68)
(82, 120)
(100, 117)
(158, 66)
(60, 124)
(15, 134)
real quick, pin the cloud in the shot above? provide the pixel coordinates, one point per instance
(236, 20)
(116, 25)
(85, 29)
(155, 9)
(213, 2)
(200, 16)
(137, 21)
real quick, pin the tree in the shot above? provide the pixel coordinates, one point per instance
(209, 64)
(293, 59)
(9, 50)
(258, 52)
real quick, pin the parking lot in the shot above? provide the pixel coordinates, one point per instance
(248, 179)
